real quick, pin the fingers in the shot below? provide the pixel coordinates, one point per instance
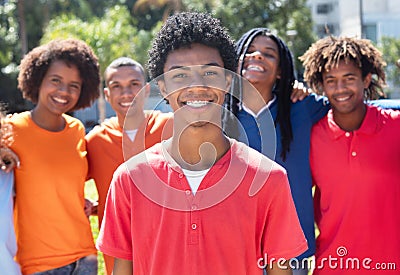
(299, 91)
(8, 160)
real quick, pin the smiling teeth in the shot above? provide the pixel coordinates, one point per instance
(60, 100)
(255, 68)
(197, 103)
(342, 98)
(126, 104)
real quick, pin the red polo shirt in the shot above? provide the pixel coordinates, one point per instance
(357, 198)
(242, 212)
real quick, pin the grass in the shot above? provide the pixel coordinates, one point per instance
(91, 193)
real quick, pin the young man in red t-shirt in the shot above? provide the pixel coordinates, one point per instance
(355, 160)
(199, 203)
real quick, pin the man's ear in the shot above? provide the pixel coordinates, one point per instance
(228, 81)
(106, 94)
(367, 80)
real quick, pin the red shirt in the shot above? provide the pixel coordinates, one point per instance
(357, 197)
(242, 211)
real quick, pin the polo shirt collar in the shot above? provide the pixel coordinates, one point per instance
(370, 124)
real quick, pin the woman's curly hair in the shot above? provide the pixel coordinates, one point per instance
(327, 52)
(35, 64)
(185, 28)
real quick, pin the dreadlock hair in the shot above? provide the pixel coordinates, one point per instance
(327, 52)
(282, 88)
(184, 29)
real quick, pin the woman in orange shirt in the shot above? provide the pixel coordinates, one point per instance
(52, 230)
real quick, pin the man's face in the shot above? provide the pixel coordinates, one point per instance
(344, 87)
(123, 90)
(195, 83)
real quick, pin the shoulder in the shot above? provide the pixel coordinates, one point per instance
(255, 161)
(158, 116)
(386, 115)
(73, 121)
(19, 118)
(110, 124)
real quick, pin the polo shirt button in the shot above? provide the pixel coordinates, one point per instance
(188, 192)
(347, 134)
(194, 207)
(194, 226)
(180, 176)
(353, 154)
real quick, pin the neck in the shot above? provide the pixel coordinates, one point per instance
(256, 99)
(48, 121)
(350, 121)
(131, 121)
(198, 148)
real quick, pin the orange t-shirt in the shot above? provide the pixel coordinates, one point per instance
(51, 227)
(105, 151)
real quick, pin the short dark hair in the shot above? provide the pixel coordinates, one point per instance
(122, 62)
(327, 52)
(186, 28)
(35, 64)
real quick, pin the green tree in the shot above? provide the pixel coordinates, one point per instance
(390, 48)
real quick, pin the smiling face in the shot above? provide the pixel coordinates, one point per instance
(261, 63)
(123, 90)
(195, 83)
(344, 86)
(60, 88)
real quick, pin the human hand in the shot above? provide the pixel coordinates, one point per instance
(90, 207)
(8, 159)
(299, 92)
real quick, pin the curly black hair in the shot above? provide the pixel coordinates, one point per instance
(327, 52)
(185, 28)
(35, 64)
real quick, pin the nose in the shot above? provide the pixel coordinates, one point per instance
(341, 85)
(196, 79)
(255, 55)
(126, 90)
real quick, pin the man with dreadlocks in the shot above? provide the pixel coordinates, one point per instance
(272, 123)
(357, 185)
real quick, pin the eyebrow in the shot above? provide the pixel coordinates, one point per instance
(61, 77)
(347, 74)
(214, 64)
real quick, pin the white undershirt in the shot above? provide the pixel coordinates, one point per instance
(131, 134)
(194, 178)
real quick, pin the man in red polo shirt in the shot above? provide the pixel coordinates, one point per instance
(355, 161)
(199, 203)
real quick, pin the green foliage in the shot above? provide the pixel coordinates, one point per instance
(390, 48)
(110, 36)
(8, 32)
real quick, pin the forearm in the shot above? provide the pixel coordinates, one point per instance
(279, 269)
(122, 267)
